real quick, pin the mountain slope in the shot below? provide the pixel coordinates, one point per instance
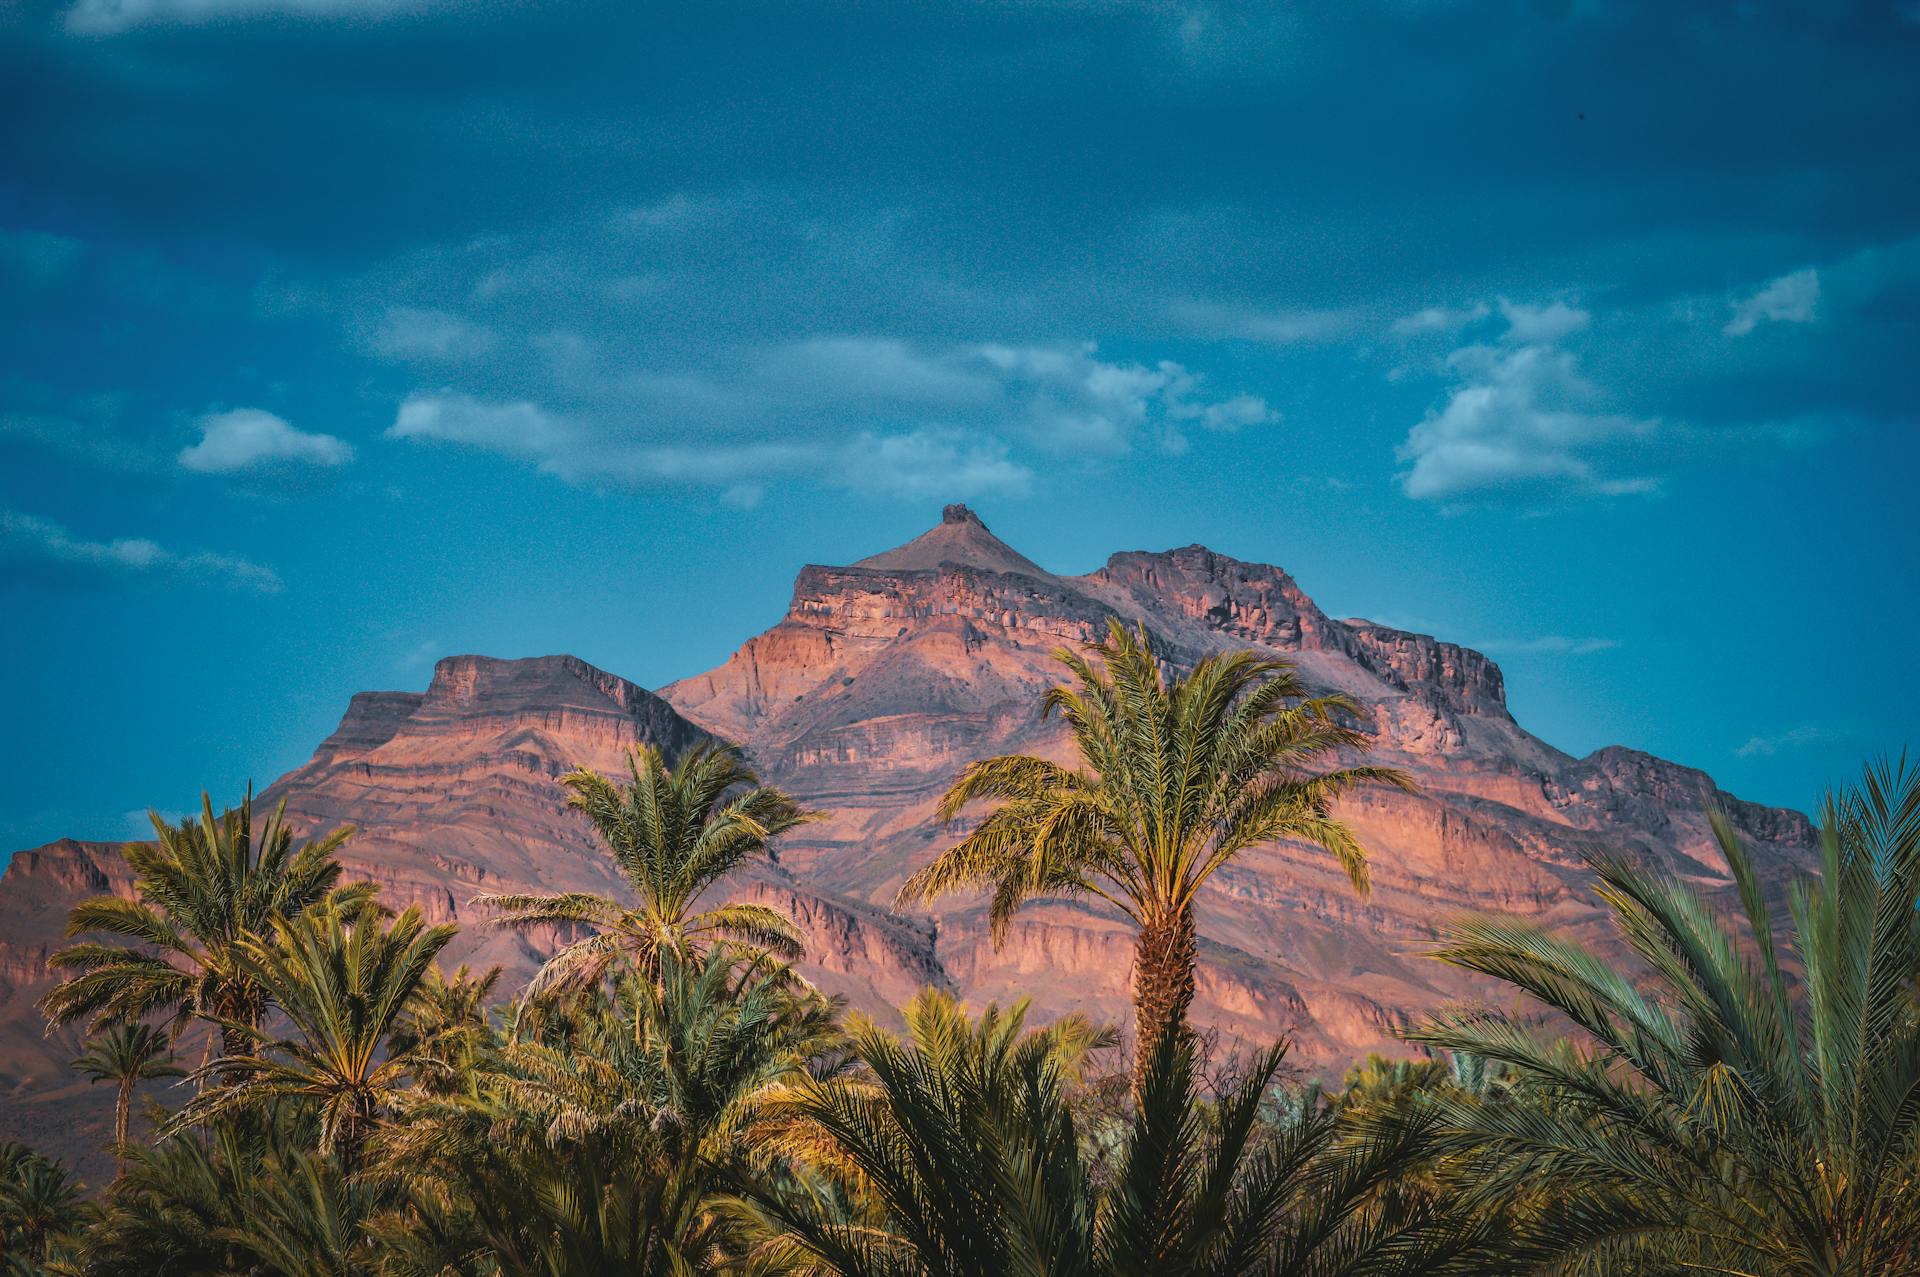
(883, 678)
(886, 676)
(453, 792)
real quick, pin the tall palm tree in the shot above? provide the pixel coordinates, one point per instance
(1720, 1114)
(960, 1155)
(343, 980)
(674, 832)
(127, 1055)
(202, 888)
(1177, 778)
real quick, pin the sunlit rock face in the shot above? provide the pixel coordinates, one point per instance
(881, 681)
(887, 675)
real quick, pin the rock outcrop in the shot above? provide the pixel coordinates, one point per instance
(884, 678)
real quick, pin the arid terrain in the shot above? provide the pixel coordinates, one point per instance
(882, 679)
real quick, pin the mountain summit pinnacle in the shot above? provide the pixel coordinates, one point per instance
(959, 539)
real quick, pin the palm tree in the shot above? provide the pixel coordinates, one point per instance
(39, 1206)
(202, 889)
(246, 1196)
(448, 1023)
(180, 1198)
(127, 1054)
(309, 1217)
(597, 1153)
(953, 1152)
(1178, 778)
(960, 1156)
(343, 980)
(1722, 1114)
(674, 832)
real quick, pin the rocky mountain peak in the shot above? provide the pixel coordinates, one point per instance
(881, 682)
(960, 539)
(534, 682)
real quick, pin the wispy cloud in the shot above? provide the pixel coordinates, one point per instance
(110, 17)
(1439, 319)
(1794, 739)
(1541, 325)
(1546, 645)
(1275, 327)
(423, 653)
(1790, 299)
(251, 439)
(867, 414)
(427, 334)
(928, 463)
(923, 462)
(95, 443)
(37, 546)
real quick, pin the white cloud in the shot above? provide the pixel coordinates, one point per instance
(1294, 327)
(1527, 323)
(1439, 319)
(408, 332)
(572, 450)
(110, 17)
(1541, 325)
(1521, 420)
(1806, 736)
(889, 409)
(45, 546)
(1547, 645)
(900, 463)
(1790, 299)
(677, 209)
(517, 429)
(1067, 399)
(854, 370)
(251, 439)
(929, 463)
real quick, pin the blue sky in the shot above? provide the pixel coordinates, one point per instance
(339, 335)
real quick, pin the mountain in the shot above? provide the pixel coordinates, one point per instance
(453, 792)
(888, 675)
(885, 677)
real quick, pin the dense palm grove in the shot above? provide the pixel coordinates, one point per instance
(301, 1088)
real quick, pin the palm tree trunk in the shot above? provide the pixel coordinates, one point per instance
(1163, 960)
(121, 1108)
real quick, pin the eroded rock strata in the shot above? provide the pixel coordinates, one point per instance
(882, 679)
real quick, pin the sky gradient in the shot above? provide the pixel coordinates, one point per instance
(340, 335)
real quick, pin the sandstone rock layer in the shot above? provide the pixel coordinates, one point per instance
(884, 678)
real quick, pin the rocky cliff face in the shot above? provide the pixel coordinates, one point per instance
(885, 676)
(453, 792)
(882, 679)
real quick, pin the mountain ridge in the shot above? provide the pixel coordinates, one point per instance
(884, 677)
